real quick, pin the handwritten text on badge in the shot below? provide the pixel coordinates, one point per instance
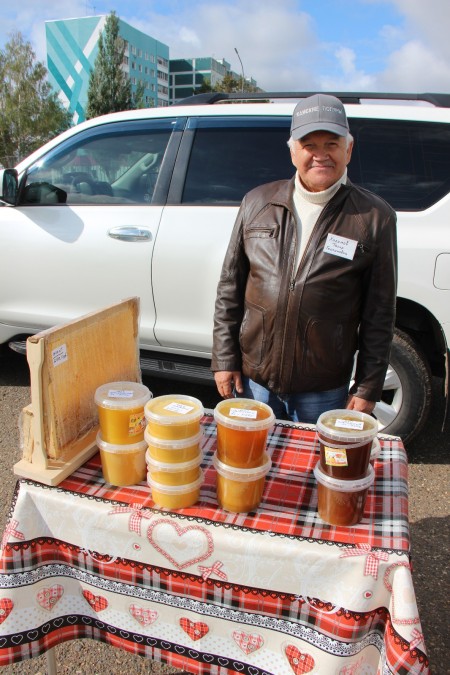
(340, 246)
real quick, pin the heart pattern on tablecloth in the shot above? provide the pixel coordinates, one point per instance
(97, 602)
(6, 607)
(144, 616)
(195, 629)
(48, 596)
(300, 662)
(248, 642)
(176, 543)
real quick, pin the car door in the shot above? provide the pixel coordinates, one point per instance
(83, 234)
(220, 159)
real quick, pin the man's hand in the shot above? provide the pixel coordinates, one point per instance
(226, 381)
(360, 404)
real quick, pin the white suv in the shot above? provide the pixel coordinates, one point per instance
(143, 203)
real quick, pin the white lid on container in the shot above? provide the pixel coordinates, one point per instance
(242, 475)
(176, 489)
(237, 419)
(165, 444)
(119, 449)
(344, 485)
(181, 409)
(122, 395)
(173, 467)
(348, 431)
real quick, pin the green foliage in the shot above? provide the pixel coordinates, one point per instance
(31, 112)
(109, 86)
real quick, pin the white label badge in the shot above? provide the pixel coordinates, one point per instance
(120, 393)
(349, 424)
(179, 408)
(241, 412)
(59, 355)
(340, 246)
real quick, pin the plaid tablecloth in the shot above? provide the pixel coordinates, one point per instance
(272, 592)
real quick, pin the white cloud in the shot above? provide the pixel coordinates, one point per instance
(349, 77)
(415, 68)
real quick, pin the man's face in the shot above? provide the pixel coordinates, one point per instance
(320, 159)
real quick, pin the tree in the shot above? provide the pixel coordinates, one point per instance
(30, 111)
(109, 86)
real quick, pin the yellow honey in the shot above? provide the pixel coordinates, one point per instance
(122, 464)
(173, 473)
(120, 408)
(175, 496)
(183, 450)
(173, 417)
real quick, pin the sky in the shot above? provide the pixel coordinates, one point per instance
(285, 45)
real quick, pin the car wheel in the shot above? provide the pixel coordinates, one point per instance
(406, 399)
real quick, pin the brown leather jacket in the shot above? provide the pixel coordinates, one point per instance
(298, 330)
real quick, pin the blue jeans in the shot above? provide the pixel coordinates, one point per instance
(303, 407)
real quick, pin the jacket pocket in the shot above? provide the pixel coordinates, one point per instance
(329, 346)
(261, 231)
(252, 336)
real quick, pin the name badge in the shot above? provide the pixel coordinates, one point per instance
(340, 246)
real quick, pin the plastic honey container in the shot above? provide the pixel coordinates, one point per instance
(345, 438)
(175, 496)
(121, 411)
(242, 428)
(240, 490)
(122, 464)
(173, 451)
(342, 502)
(173, 417)
(171, 473)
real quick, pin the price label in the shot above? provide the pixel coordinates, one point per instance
(59, 355)
(120, 393)
(179, 408)
(241, 412)
(349, 424)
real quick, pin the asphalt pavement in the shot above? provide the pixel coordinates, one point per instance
(429, 480)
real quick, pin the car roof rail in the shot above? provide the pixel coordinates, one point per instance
(210, 98)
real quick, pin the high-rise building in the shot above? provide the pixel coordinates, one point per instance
(72, 47)
(188, 75)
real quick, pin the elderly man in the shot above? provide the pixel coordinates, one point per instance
(308, 280)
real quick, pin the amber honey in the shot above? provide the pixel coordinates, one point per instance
(345, 438)
(342, 502)
(242, 429)
(240, 490)
(175, 496)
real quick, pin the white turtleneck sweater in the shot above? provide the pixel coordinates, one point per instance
(309, 206)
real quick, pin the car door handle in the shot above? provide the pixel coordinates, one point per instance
(130, 233)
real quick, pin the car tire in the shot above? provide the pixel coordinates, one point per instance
(406, 399)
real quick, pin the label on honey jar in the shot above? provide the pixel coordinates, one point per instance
(179, 408)
(349, 424)
(242, 412)
(120, 393)
(136, 424)
(334, 457)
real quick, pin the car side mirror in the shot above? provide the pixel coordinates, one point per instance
(9, 186)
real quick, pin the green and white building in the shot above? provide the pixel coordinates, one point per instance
(72, 46)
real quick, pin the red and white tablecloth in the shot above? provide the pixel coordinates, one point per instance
(275, 592)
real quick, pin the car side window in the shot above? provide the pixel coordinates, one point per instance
(232, 155)
(116, 163)
(405, 162)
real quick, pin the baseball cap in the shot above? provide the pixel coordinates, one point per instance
(320, 112)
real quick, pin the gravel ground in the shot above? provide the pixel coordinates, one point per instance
(429, 482)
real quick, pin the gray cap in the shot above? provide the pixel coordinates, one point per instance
(319, 112)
